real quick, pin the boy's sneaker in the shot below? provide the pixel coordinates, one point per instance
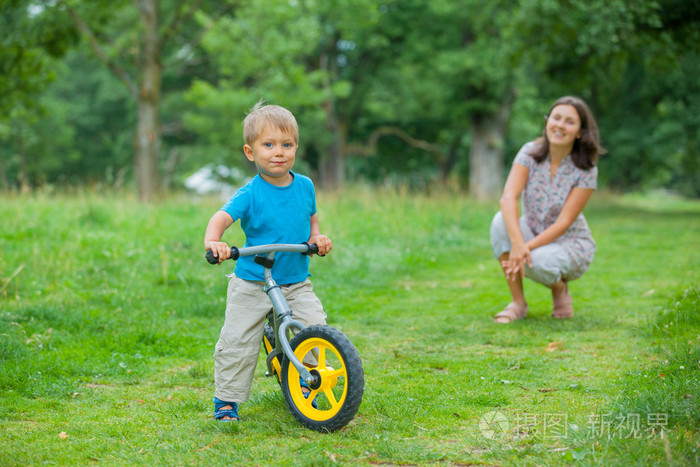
(303, 384)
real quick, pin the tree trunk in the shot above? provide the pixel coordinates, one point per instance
(148, 137)
(332, 166)
(3, 176)
(170, 165)
(23, 175)
(451, 159)
(332, 163)
(486, 153)
(147, 93)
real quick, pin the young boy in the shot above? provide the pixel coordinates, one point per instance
(276, 206)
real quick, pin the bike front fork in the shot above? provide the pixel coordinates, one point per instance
(283, 315)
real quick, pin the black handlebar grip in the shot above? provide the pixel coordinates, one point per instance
(313, 249)
(235, 254)
(210, 257)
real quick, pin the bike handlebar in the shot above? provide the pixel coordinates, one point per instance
(303, 248)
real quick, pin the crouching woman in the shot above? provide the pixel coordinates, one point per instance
(550, 242)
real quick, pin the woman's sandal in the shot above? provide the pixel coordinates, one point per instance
(562, 305)
(220, 412)
(511, 313)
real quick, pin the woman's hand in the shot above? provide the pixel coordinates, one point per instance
(514, 266)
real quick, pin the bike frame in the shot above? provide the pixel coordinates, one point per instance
(327, 404)
(283, 320)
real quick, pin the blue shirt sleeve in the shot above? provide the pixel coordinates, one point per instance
(238, 206)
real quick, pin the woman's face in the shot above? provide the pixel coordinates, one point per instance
(563, 126)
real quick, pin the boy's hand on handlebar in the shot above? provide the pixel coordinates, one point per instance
(324, 243)
(221, 250)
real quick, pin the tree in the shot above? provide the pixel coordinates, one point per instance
(410, 90)
(634, 62)
(289, 53)
(423, 83)
(147, 34)
(560, 46)
(680, 19)
(31, 42)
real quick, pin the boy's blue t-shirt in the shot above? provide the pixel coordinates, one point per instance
(272, 214)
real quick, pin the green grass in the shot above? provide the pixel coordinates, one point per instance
(109, 315)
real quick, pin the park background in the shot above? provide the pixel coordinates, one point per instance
(142, 94)
(410, 114)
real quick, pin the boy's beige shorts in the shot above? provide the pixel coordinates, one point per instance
(237, 350)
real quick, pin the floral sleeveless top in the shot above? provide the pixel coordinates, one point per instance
(544, 197)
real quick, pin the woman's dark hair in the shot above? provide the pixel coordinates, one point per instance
(587, 148)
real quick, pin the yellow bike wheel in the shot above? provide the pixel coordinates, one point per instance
(335, 397)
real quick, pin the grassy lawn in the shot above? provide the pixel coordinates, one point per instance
(109, 315)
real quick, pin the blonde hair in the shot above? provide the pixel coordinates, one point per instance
(261, 115)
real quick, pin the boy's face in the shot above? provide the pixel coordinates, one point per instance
(274, 153)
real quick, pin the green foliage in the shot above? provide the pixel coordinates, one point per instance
(31, 43)
(31, 39)
(97, 111)
(109, 313)
(665, 388)
(86, 134)
(273, 51)
(672, 379)
(350, 70)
